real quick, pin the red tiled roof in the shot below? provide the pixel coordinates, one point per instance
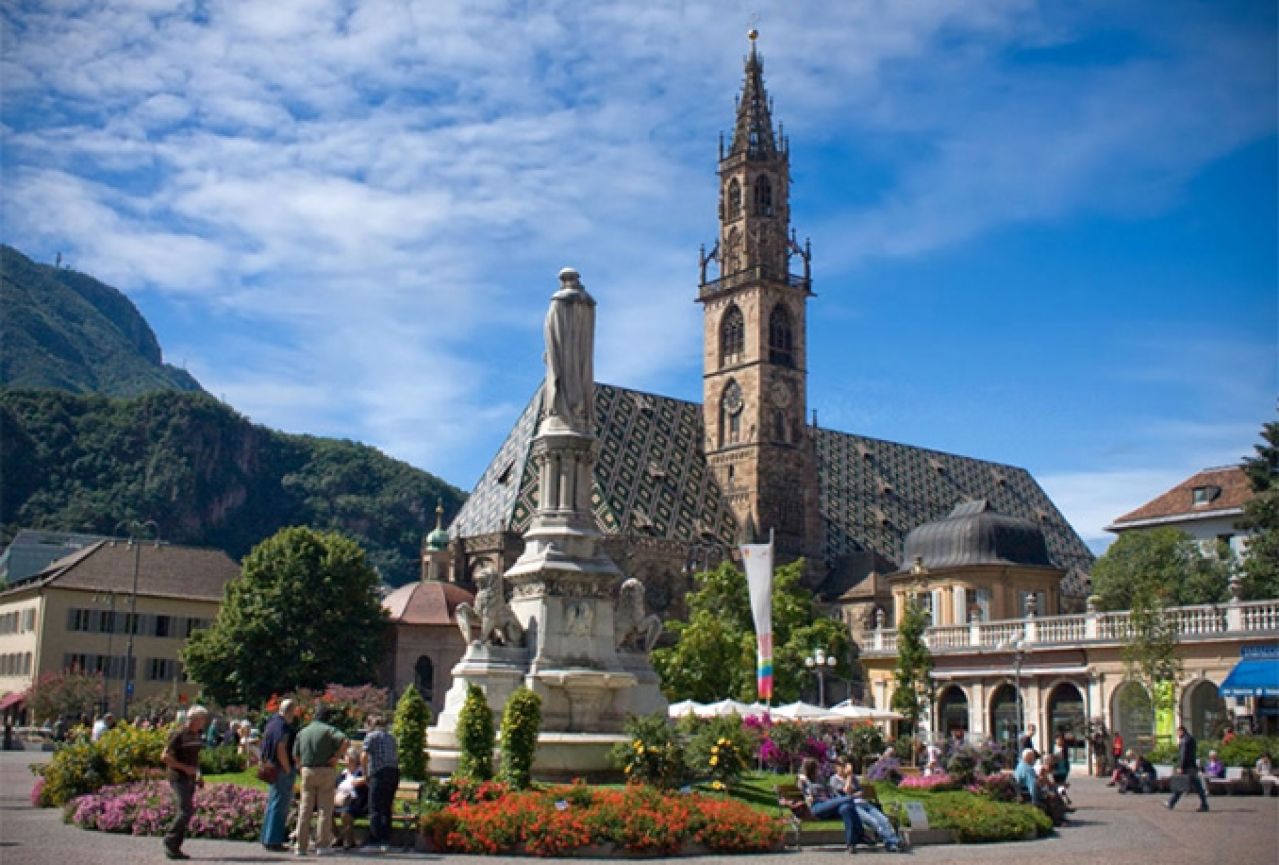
(429, 602)
(198, 573)
(1228, 490)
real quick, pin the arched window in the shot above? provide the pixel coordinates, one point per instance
(734, 199)
(732, 335)
(952, 711)
(424, 678)
(1003, 713)
(779, 426)
(1132, 715)
(763, 196)
(731, 405)
(1066, 714)
(781, 345)
(1204, 711)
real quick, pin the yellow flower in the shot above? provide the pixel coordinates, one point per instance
(637, 744)
(626, 769)
(714, 761)
(715, 749)
(717, 785)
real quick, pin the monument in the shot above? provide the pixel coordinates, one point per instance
(574, 630)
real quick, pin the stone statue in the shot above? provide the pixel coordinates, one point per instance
(497, 624)
(635, 630)
(570, 356)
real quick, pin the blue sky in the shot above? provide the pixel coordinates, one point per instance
(1044, 233)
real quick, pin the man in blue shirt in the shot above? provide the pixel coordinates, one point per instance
(1025, 775)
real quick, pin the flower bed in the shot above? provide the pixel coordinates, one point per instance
(637, 820)
(146, 808)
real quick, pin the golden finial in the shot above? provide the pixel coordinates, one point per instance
(752, 34)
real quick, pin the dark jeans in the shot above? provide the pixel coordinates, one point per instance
(846, 808)
(382, 786)
(1198, 785)
(184, 803)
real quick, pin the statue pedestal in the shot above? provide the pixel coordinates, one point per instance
(565, 592)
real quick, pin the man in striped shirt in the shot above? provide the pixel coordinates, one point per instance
(382, 769)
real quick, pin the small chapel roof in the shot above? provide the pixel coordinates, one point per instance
(975, 534)
(427, 602)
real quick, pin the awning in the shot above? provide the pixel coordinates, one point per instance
(13, 699)
(1252, 677)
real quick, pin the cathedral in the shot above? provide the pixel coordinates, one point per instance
(678, 485)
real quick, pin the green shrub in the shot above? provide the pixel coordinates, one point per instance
(521, 722)
(904, 746)
(718, 749)
(1163, 753)
(222, 760)
(962, 766)
(865, 744)
(1244, 750)
(412, 717)
(130, 753)
(976, 818)
(475, 736)
(654, 754)
(75, 770)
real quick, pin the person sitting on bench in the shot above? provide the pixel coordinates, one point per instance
(825, 805)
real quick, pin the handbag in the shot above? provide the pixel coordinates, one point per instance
(268, 772)
(1179, 784)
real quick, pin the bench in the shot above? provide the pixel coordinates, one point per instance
(794, 810)
(407, 805)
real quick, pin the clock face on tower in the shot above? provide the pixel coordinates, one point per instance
(781, 394)
(733, 398)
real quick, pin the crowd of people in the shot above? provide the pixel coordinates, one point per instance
(294, 757)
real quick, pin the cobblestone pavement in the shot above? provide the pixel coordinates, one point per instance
(1108, 828)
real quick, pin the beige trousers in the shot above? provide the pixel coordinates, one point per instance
(318, 788)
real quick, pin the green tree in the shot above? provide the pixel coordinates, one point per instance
(1165, 556)
(1261, 518)
(475, 736)
(913, 687)
(305, 611)
(714, 655)
(521, 721)
(1150, 655)
(70, 694)
(412, 717)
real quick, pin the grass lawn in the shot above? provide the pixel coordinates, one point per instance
(247, 778)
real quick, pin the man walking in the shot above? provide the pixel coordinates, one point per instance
(277, 753)
(382, 768)
(182, 757)
(1187, 765)
(318, 748)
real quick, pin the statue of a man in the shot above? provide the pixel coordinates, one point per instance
(570, 356)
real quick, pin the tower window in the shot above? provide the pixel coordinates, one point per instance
(763, 196)
(781, 343)
(730, 414)
(732, 335)
(734, 199)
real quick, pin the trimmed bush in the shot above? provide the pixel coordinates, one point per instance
(222, 760)
(521, 722)
(475, 736)
(75, 770)
(412, 717)
(654, 755)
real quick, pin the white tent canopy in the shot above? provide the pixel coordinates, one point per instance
(853, 712)
(802, 711)
(682, 708)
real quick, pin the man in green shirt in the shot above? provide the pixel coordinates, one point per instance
(317, 750)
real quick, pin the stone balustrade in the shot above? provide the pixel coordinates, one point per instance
(1202, 622)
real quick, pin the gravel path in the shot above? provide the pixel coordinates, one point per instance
(1109, 830)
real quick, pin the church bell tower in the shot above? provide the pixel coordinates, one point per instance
(754, 390)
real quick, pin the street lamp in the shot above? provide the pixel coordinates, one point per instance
(136, 529)
(1018, 646)
(821, 663)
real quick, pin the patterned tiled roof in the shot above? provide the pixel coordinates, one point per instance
(873, 492)
(651, 477)
(1224, 489)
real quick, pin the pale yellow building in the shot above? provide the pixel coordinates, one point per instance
(77, 614)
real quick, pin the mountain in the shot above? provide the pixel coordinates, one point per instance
(95, 428)
(205, 474)
(67, 331)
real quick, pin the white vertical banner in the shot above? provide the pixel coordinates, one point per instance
(758, 561)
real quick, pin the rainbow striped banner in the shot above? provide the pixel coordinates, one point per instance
(758, 561)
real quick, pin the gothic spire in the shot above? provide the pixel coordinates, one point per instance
(753, 132)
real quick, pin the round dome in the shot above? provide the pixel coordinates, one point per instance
(974, 534)
(426, 603)
(438, 539)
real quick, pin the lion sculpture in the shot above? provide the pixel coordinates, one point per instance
(491, 614)
(635, 630)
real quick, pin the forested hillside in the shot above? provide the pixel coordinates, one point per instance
(205, 474)
(67, 331)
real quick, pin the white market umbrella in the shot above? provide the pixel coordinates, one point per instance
(682, 708)
(850, 711)
(802, 711)
(724, 708)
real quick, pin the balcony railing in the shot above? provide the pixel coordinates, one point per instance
(1205, 621)
(749, 276)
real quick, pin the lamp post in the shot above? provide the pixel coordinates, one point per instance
(1018, 647)
(136, 529)
(821, 663)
